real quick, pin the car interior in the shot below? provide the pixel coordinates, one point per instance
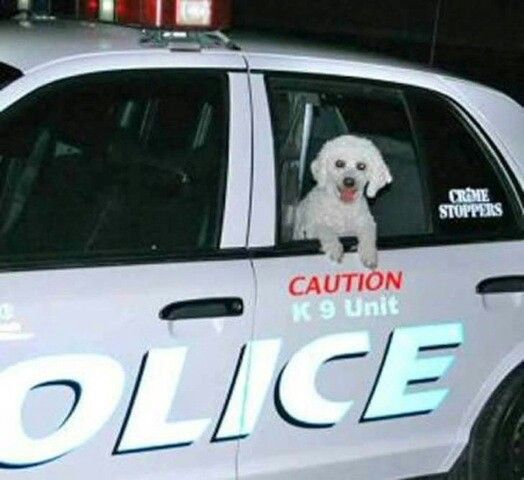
(306, 119)
(126, 174)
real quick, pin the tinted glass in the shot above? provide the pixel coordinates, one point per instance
(467, 194)
(129, 163)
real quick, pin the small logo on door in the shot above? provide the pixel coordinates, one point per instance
(10, 328)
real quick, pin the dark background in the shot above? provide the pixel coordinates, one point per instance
(478, 39)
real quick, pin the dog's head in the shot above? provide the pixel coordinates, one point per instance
(346, 164)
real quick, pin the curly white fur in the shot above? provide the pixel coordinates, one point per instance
(346, 170)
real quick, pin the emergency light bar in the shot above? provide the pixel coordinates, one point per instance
(186, 40)
(173, 14)
(193, 13)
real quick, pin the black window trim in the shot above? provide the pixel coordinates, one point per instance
(62, 262)
(133, 260)
(492, 154)
(8, 74)
(312, 247)
(495, 156)
(422, 165)
(505, 174)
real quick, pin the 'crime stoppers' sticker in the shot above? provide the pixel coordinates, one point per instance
(468, 203)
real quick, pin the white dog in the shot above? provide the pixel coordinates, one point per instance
(337, 206)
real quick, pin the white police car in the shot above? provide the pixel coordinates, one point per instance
(157, 320)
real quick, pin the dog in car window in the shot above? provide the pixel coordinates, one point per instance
(347, 170)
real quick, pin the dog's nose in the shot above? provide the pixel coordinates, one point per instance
(349, 182)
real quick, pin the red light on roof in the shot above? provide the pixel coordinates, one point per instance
(197, 13)
(209, 14)
(181, 14)
(152, 13)
(90, 9)
(128, 12)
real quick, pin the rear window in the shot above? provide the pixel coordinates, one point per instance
(8, 74)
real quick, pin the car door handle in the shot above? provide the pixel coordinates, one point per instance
(203, 308)
(508, 284)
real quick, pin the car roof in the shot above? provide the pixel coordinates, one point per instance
(29, 44)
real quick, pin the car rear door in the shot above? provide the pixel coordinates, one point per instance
(378, 374)
(125, 296)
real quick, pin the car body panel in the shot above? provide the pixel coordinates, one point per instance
(113, 312)
(392, 448)
(27, 44)
(440, 283)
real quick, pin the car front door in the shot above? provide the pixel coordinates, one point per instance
(377, 373)
(124, 300)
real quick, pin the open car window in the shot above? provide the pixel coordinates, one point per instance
(309, 112)
(446, 184)
(8, 74)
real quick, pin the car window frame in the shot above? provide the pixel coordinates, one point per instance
(506, 176)
(232, 91)
(498, 165)
(8, 74)
(496, 156)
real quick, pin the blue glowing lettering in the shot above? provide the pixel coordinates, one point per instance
(146, 426)
(98, 382)
(257, 364)
(411, 362)
(395, 394)
(296, 395)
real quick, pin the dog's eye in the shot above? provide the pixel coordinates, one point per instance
(340, 164)
(361, 166)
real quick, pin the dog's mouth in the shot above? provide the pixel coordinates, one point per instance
(347, 194)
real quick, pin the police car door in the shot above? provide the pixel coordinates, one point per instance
(124, 300)
(377, 374)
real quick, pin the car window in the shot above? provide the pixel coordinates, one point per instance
(434, 159)
(8, 74)
(126, 163)
(467, 193)
(308, 113)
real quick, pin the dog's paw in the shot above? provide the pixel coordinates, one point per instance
(333, 249)
(369, 257)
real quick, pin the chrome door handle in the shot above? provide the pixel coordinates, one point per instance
(507, 284)
(203, 308)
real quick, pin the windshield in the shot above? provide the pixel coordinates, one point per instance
(8, 74)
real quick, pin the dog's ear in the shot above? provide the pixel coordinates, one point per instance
(318, 170)
(379, 174)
